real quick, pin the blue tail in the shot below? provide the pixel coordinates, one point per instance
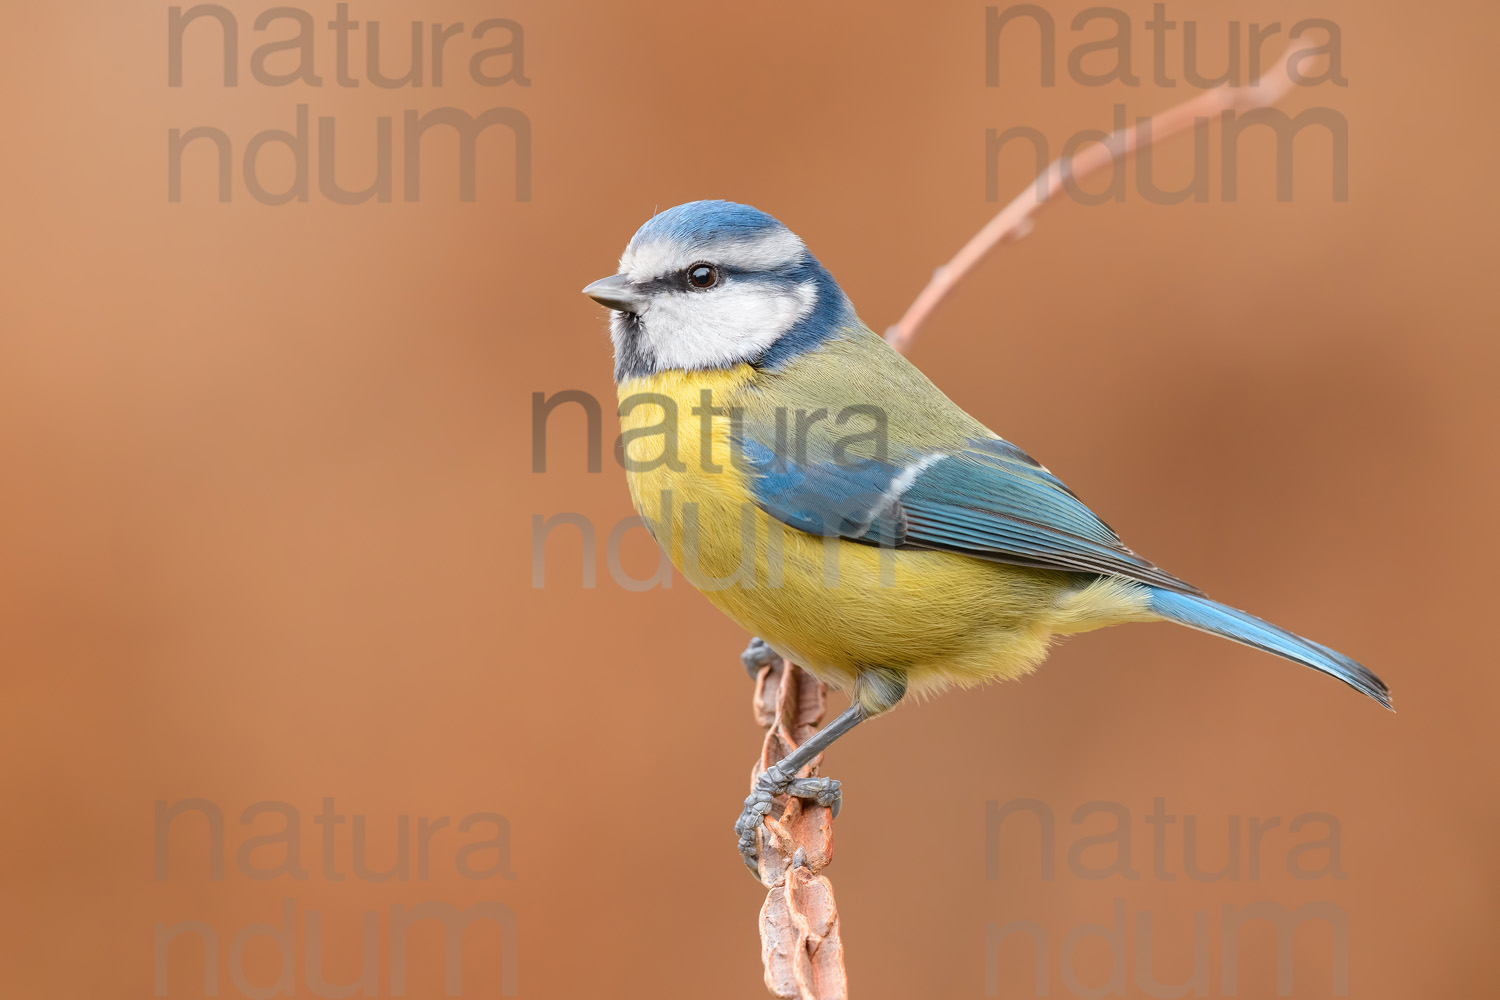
(1218, 619)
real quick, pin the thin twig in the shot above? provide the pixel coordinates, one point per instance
(801, 951)
(1015, 220)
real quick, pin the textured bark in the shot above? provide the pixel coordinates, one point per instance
(800, 946)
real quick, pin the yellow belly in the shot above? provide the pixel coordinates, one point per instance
(833, 606)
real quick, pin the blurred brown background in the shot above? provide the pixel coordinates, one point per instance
(268, 501)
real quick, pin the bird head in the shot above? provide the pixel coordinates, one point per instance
(714, 284)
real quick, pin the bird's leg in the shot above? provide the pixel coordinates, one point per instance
(780, 779)
(879, 688)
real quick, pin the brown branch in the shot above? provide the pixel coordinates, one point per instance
(801, 950)
(1015, 220)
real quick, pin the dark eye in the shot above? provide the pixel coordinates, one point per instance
(703, 276)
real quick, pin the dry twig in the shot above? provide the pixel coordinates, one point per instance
(801, 950)
(799, 922)
(1015, 219)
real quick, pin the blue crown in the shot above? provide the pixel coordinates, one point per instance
(707, 221)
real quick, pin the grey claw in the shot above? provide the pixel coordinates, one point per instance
(747, 825)
(826, 792)
(755, 656)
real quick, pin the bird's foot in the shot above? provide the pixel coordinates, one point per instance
(755, 656)
(775, 781)
(826, 792)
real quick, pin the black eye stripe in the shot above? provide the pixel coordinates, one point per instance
(677, 281)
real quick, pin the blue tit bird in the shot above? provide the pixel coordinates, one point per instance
(829, 498)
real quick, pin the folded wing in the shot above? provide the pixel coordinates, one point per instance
(986, 499)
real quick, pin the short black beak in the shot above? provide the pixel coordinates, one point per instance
(616, 292)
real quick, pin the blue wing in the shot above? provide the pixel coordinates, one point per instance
(986, 499)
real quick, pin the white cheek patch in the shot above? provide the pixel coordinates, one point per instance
(722, 326)
(765, 252)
